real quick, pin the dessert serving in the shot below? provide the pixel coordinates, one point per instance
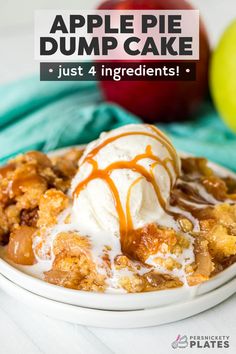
(125, 214)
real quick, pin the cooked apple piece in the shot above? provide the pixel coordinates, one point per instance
(231, 184)
(215, 186)
(196, 166)
(204, 265)
(149, 282)
(156, 281)
(19, 249)
(141, 243)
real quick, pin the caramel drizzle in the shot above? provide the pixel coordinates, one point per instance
(159, 137)
(169, 147)
(128, 211)
(125, 221)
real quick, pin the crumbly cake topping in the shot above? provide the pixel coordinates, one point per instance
(36, 226)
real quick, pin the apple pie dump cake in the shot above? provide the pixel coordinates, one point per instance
(126, 213)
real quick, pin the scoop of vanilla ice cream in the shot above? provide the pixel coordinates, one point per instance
(119, 177)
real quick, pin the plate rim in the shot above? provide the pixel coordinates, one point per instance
(119, 319)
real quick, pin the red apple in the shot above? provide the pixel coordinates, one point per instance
(160, 100)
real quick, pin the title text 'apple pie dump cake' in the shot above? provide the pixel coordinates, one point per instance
(126, 213)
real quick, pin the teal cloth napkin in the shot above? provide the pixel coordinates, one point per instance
(50, 115)
(45, 116)
(206, 136)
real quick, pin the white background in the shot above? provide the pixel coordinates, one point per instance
(25, 332)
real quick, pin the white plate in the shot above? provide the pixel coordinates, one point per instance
(115, 301)
(118, 319)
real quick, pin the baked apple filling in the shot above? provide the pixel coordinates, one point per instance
(126, 214)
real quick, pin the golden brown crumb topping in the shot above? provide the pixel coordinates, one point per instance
(152, 238)
(26, 180)
(33, 193)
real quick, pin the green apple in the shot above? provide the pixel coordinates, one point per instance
(223, 76)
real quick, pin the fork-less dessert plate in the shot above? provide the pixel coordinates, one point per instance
(24, 277)
(119, 319)
(112, 301)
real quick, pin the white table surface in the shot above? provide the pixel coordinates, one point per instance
(25, 332)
